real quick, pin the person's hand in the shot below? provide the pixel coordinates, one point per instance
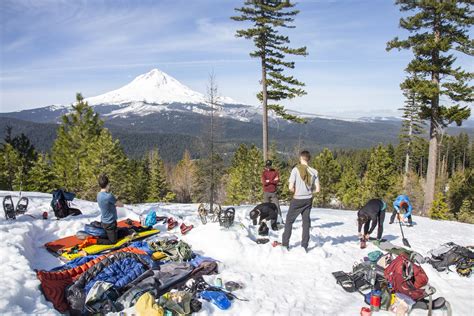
(367, 237)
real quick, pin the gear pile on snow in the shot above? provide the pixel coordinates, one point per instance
(157, 276)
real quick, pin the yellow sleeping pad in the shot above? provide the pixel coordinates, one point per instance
(95, 249)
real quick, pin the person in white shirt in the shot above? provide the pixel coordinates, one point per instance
(303, 182)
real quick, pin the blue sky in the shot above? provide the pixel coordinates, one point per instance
(51, 49)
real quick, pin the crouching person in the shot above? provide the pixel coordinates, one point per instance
(265, 212)
(108, 209)
(370, 216)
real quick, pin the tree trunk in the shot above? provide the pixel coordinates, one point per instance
(433, 147)
(407, 158)
(264, 111)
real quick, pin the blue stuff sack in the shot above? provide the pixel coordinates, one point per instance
(150, 219)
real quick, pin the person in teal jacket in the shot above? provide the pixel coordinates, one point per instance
(402, 202)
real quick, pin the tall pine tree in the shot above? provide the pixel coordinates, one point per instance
(349, 188)
(244, 183)
(329, 176)
(158, 185)
(266, 18)
(76, 134)
(412, 127)
(438, 27)
(380, 177)
(205, 180)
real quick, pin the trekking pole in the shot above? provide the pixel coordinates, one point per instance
(405, 241)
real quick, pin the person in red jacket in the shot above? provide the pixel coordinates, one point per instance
(270, 180)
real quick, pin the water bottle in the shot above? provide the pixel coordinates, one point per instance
(218, 282)
(375, 301)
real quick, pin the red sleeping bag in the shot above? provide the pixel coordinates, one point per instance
(54, 283)
(407, 277)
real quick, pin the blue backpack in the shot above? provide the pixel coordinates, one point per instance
(150, 219)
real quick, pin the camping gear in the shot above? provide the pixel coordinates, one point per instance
(150, 219)
(375, 300)
(54, 283)
(146, 306)
(184, 228)
(22, 205)
(404, 240)
(218, 282)
(262, 241)
(94, 249)
(450, 254)
(172, 223)
(206, 213)
(45, 215)
(9, 207)
(365, 311)
(175, 250)
(218, 298)
(61, 204)
(226, 217)
(263, 229)
(232, 286)
(407, 277)
(276, 243)
(438, 303)
(56, 246)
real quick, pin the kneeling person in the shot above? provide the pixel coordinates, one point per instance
(369, 216)
(108, 209)
(265, 212)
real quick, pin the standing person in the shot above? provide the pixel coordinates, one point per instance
(108, 209)
(303, 183)
(270, 180)
(371, 214)
(402, 202)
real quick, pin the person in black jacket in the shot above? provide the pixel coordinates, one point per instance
(265, 212)
(369, 216)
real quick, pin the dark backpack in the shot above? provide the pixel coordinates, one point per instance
(452, 254)
(60, 204)
(407, 277)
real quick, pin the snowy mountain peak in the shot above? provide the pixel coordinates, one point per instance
(154, 87)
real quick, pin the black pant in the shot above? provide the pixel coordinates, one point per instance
(112, 234)
(394, 214)
(272, 197)
(298, 207)
(380, 220)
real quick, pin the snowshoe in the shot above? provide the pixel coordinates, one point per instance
(172, 223)
(22, 206)
(262, 241)
(161, 219)
(226, 217)
(363, 244)
(232, 286)
(184, 229)
(202, 213)
(276, 243)
(9, 207)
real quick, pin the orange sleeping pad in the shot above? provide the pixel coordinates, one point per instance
(56, 246)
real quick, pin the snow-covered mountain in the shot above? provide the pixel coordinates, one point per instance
(156, 91)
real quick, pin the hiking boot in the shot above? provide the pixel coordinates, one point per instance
(391, 222)
(305, 249)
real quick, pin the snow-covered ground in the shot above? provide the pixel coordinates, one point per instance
(276, 282)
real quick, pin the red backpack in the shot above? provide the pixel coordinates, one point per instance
(406, 277)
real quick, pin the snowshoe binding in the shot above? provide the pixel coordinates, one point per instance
(184, 228)
(172, 223)
(226, 217)
(202, 211)
(22, 206)
(9, 207)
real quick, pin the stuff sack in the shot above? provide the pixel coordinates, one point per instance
(150, 219)
(407, 277)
